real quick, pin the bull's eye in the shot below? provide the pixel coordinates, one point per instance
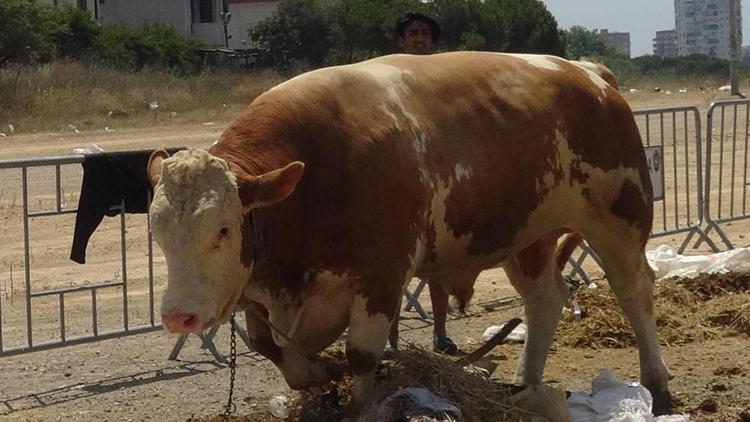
(224, 232)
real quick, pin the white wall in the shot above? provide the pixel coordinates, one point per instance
(210, 33)
(245, 15)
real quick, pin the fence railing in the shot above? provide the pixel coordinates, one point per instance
(26, 342)
(727, 133)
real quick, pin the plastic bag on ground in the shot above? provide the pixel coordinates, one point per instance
(616, 401)
(667, 263)
(518, 335)
(414, 403)
(90, 149)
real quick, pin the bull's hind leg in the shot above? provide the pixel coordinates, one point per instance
(534, 274)
(632, 281)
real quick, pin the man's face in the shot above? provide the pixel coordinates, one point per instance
(417, 39)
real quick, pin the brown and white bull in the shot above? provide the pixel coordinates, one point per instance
(431, 166)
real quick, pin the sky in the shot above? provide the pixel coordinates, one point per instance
(642, 18)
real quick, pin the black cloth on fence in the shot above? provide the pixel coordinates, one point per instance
(109, 178)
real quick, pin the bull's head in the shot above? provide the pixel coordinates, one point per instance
(198, 219)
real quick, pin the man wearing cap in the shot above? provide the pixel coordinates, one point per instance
(417, 34)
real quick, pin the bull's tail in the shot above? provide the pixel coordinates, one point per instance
(565, 248)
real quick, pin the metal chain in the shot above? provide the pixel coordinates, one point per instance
(230, 407)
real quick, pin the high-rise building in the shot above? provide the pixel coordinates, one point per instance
(620, 41)
(702, 27)
(665, 43)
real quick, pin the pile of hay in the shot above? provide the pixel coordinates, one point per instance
(479, 398)
(688, 310)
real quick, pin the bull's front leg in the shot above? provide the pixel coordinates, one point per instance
(369, 325)
(300, 371)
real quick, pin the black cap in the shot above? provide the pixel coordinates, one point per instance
(407, 18)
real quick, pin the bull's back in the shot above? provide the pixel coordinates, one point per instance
(466, 153)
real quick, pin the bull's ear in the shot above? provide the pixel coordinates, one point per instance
(154, 165)
(269, 188)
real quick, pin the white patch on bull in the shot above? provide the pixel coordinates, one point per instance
(391, 114)
(598, 81)
(364, 340)
(463, 172)
(391, 79)
(539, 61)
(446, 244)
(568, 193)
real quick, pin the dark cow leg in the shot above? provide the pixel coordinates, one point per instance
(534, 274)
(632, 281)
(299, 371)
(364, 346)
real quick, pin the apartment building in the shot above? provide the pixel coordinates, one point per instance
(702, 27)
(620, 41)
(665, 43)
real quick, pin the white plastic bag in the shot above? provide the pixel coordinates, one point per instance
(616, 401)
(518, 335)
(278, 406)
(667, 263)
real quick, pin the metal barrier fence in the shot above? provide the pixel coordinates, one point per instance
(727, 132)
(63, 338)
(677, 131)
(684, 208)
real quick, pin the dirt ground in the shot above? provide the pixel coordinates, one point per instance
(130, 378)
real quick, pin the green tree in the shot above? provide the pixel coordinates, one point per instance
(297, 31)
(462, 24)
(27, 30)
(582, 42)
(357, 30)
(521, 26)
(531, 27)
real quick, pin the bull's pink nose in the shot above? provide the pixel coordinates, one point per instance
(181, 322)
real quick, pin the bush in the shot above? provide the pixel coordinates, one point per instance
(694, 65)
(154, 45)
(77, 33)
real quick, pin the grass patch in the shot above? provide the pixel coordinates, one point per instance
(53, 96)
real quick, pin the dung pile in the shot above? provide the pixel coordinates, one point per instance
(688, 310)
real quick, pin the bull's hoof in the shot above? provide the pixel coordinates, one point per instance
(353, 411)
(319, 372)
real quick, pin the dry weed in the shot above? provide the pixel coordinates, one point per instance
(688, 310)
(66, 96)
